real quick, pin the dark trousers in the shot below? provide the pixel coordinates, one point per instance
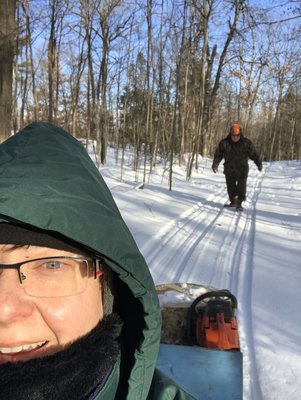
(236, 185)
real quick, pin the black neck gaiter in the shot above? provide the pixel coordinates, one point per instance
(75, 373)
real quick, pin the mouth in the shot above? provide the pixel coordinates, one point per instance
(22, 349)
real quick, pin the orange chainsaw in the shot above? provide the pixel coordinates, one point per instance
(211, 321)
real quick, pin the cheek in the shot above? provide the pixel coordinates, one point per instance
(72, 317)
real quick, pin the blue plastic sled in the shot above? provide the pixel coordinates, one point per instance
(205, 374)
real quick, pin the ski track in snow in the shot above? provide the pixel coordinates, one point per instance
(231, 235)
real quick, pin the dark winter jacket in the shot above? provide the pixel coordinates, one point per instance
(48, 180)
(236, 155)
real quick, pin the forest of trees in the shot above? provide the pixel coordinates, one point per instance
(167, 77)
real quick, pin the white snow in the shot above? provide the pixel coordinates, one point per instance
(186, 235)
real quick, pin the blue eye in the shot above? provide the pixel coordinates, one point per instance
(52, 265)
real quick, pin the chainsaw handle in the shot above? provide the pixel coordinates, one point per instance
(216, 293)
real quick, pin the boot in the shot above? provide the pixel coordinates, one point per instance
(233, 202)
(238, 205)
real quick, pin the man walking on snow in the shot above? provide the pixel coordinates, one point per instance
(236, 151)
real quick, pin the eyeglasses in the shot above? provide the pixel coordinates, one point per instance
(55, 276)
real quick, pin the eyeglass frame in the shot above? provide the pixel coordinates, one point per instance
(97, 264)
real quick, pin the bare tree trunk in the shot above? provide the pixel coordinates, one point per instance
(184, 115)
(88, 10)
(275, 123)
(57, 69)
(76, 87)
(149, 107)
(206, 12)
(280, 144)
(15, 110)
(293, 134)
(124, 117)
(31, 61)
(163, 105)
(238, 4)
(7, 37)
(178, 78)
(51, 60)
(104, 77)
(24, 88)
(109, 32)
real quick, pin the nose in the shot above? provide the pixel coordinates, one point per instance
(14, 303)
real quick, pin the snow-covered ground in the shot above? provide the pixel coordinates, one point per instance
(186, 235)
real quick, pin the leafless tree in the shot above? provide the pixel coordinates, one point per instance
(7, 51)
(166, 78)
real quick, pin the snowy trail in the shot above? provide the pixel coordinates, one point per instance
(207, 231)
(225, 239)
(187, 236)
(242, 284)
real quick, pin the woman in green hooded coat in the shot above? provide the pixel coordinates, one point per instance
(79, 314)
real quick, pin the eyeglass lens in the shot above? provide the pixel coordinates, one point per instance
(54, 277)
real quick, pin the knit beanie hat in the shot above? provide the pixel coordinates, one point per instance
(22, 234)
(236, 129)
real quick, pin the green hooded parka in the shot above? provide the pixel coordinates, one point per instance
(48, 180)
